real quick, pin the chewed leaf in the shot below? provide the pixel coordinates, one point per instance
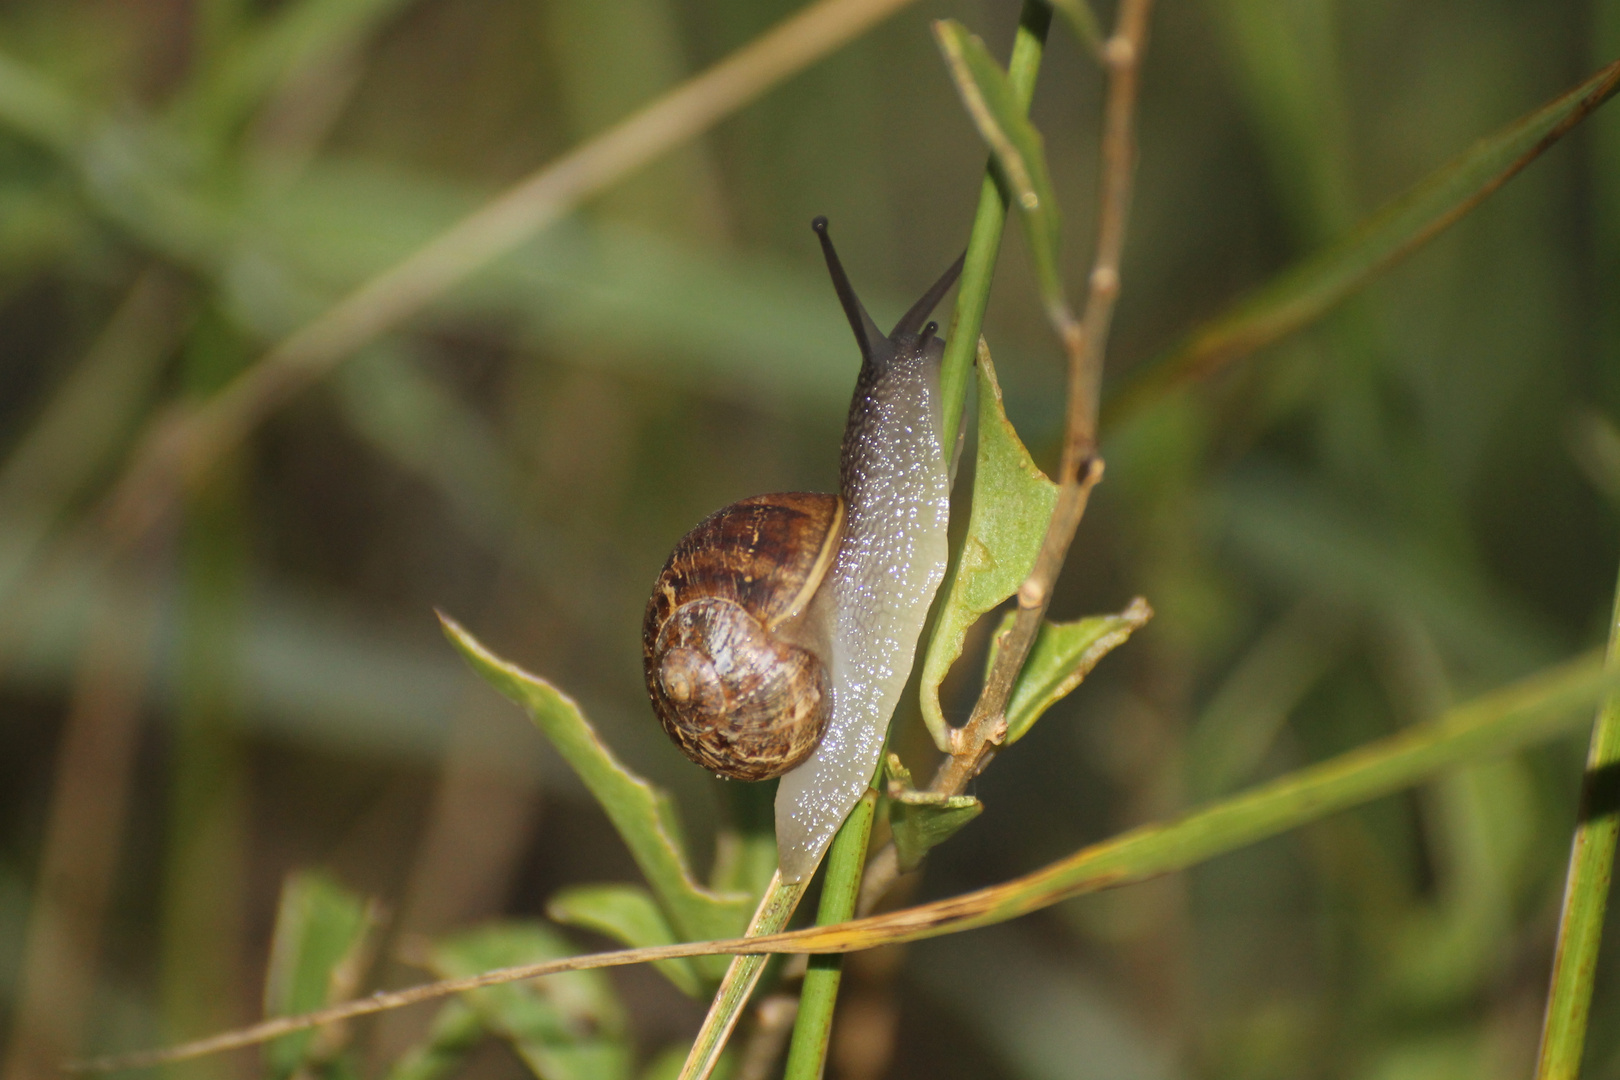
(1012, 503)
(318, 955)
(1019, 150)
(920, 820)
(642, 814)
(629, 915)
(1063, 655)
(566, 1027)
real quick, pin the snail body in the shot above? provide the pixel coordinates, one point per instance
(782, 630)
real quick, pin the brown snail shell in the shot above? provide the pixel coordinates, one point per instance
(728, 681)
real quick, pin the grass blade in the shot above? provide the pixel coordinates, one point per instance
(498, 227)
(293, 39)
(1299, 296)
(781, 900)
(80, 430)
(1586, 889)
(35, 109)
(1538, 707)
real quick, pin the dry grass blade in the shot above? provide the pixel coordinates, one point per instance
(182, 446)
(1533, 708)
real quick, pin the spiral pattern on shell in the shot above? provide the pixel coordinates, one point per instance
(728, 681)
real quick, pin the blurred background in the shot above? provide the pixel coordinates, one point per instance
(1410, 503)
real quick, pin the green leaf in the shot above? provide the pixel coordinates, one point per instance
(564, 1027)
(643, 815)
(1012, 503)
(1018, 148)
(455, 1031)
(627, 914)
(1302, 294)
(1062, 656)
(920, 820)
(318, 955)
(1083, 21)
(1241, 720)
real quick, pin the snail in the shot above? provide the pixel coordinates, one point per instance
(781, 631)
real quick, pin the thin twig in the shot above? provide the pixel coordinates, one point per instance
(1080, 469)
(180, 445)
(1536, 707)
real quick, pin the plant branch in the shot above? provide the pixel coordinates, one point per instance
(1085, 342)
(846, 870)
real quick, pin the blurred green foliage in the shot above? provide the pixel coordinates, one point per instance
(1410, 502)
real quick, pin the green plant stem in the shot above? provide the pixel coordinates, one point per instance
(845, 860)
(984, 242)
(847, 857)
(1586, 889)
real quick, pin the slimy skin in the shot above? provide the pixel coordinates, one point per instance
(868, 614)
